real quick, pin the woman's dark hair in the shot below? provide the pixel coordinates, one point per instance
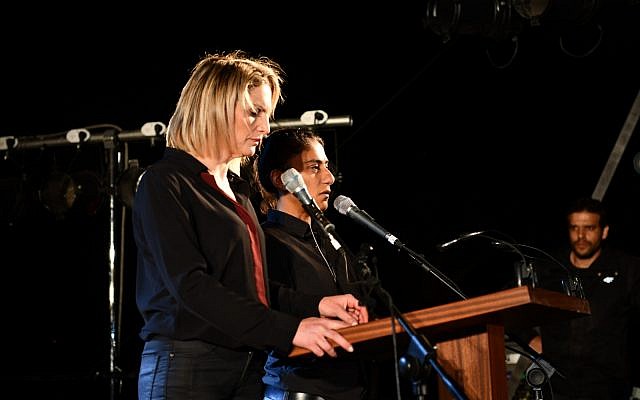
(276, 153)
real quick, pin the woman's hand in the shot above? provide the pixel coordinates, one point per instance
(344, 307)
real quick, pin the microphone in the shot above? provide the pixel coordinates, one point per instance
(573, 284)
(346, 206)
(524, 271)
(294, 183)
(536, 374)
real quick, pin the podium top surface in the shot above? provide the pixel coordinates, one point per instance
(515, 308)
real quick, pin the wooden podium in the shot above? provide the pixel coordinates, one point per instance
(468, 335)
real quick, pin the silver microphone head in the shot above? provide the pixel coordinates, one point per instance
(343, 204)
(292, 180)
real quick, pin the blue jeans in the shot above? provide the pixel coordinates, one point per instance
(196, 370)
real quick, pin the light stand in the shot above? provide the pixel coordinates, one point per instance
(111, 137)
(115, 372)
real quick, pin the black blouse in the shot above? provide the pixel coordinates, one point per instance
(195, 268)
(304, 261)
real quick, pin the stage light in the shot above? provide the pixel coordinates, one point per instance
(491, 18)
(505, 19)
(531, 10)
(90, 190)
(58, 193)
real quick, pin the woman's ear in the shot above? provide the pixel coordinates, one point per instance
(276, 180)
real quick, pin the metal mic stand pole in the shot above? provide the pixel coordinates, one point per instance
(419, 259)
(412, 364)
(434, 271)
(419, 351)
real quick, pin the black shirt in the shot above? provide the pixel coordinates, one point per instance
(195, 277)
(304, 260)
(594, 351)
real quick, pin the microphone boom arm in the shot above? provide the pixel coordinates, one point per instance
(434, 271)
(530, 352)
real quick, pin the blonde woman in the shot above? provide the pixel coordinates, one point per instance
(201, 270)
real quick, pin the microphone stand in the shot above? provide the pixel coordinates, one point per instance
(419, 351)
(433, 270)
(538, 376)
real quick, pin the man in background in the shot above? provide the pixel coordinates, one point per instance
(594, 352)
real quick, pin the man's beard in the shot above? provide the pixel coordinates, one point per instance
(585, 253)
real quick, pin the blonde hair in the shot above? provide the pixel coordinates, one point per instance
(203, 120)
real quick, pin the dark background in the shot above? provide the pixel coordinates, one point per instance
(448, 136)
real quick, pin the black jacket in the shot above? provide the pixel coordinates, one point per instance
(195, 265)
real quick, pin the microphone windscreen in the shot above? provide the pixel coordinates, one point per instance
(343, 204)
(292, 180)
